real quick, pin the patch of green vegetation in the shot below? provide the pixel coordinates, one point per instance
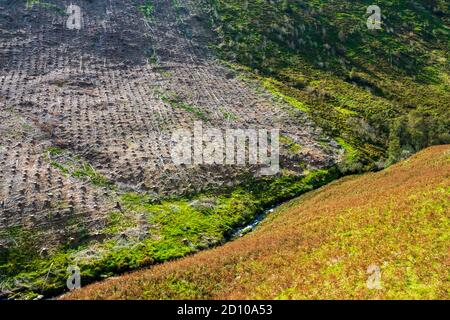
(154, 57)
(76, 167)
(192, 109)
(351, 163)
(293, 147)
(346, 111)
(28, 267)
(27, 127)
(174, 228)
(350, 152)
(55, 151)
(60, 167)
(415, 131)
(119, 221)
(229, 116)
(175, 101)
(86, 171)
(269, 84)
(183, 287)
(31, 3)
(180, 11)
(147, 9)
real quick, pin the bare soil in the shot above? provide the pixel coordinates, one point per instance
(97, 94)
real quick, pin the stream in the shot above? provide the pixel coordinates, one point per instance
(241, 231)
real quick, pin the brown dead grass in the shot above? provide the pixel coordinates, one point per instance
(320, 245)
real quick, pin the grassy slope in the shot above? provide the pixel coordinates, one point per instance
(320, 245)
(384, 93)
(362, 89)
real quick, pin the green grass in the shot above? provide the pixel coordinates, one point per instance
(268, 84)
(76, 167)
(147, 10)
(292, 147)
(86, 171)
(230, 116)
(172, 99)
(350, 152)
(31, 3)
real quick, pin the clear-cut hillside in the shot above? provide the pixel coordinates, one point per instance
(86, 118)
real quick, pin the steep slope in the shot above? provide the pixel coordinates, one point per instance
(86, 117)
(322, 244)
(86, 174)
(383, 94)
